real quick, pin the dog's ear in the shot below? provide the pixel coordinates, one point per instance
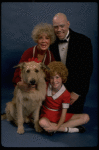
(21, 65)
(42, 65)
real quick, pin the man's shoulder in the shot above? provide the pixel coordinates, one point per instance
(75, 37)
(78, 36)
(53, 46)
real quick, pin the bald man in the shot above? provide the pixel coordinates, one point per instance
(75, 51)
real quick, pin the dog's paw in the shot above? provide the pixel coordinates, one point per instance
(20, 130)
(3, 116)
(38, 128)
(26, 120)
(8, 119)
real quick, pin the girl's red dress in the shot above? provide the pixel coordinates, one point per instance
(53, 105)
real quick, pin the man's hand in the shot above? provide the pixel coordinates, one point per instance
(73, 98)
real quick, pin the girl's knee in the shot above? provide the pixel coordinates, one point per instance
(43, 122)
(86, 118)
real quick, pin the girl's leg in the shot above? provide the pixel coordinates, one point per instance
(44, 123)
(76, 120)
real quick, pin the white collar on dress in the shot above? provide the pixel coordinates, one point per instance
(60, 92)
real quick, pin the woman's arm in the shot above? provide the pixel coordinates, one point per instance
(26, 55)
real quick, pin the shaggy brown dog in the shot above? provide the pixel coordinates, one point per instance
(25, 104)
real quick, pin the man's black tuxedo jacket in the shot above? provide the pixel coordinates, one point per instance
(79, 62)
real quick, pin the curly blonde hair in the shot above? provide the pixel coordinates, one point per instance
(57, 67)
(43, 28)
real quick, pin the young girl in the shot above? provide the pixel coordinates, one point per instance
(54, 116)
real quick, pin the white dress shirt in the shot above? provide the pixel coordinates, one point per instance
(63, 47)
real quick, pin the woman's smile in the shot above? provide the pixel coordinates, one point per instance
(43, 42)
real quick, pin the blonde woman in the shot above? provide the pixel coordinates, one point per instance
(43, 35)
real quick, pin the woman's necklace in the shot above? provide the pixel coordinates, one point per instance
(41, 54)
(40, 57)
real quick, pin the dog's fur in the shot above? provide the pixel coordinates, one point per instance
(25, 104)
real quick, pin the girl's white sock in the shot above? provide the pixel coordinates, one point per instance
(71, 130)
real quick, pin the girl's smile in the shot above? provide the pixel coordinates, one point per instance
(56, 82)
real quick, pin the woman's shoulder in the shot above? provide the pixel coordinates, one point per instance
(30, 49)
(49, 51)
(27, 54)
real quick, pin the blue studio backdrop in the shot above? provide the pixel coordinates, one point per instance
(17, 22)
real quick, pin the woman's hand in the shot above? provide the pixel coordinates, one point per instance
(25, 87)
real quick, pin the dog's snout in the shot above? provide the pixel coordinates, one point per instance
(32, 82)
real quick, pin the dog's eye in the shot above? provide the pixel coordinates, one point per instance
(28, 71)
(36, 71)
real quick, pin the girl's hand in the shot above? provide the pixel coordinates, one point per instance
(52, 128)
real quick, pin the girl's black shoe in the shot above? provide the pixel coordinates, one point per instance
(81, 129)
(48, 133)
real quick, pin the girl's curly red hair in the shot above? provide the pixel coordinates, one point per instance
(57, 67)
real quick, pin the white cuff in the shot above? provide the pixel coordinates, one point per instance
(65, 105)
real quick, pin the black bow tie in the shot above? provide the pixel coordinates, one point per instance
(62, 41)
